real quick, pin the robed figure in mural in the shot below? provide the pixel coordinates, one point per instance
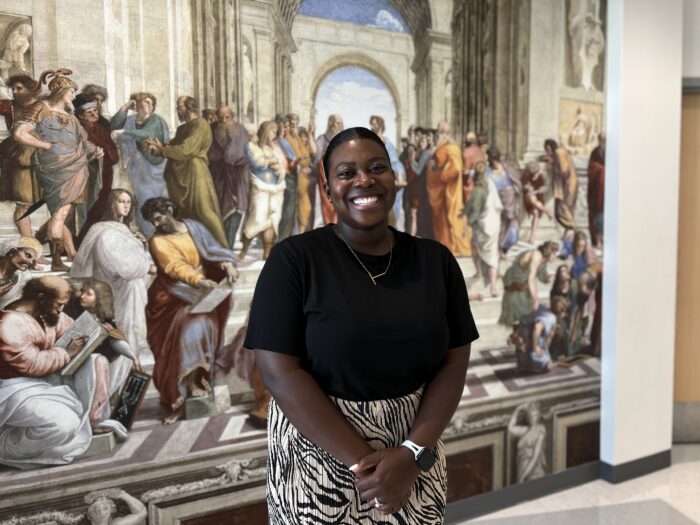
(46, 418)
(145, 169)
(190, 261)
(101, 170)
(187, 175)
(445, 193)
(596, 192)
(564, 183)
(61, 159)
(229, 170)
(18, 183)
(113, 254)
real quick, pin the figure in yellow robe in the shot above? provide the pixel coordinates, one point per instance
(189, 181)
(445, 194)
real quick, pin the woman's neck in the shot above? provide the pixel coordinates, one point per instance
(377, 241)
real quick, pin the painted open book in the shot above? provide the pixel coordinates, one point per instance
(91, 329)
(212, 298)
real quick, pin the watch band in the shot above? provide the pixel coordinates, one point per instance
(410, 445)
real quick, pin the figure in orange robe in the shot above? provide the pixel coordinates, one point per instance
(445, 195)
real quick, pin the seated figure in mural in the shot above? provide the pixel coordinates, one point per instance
(520, 294)
(96, 297)
(190, 261)
(46, 418)
(112, 253)
(131, 133)
(17, 258)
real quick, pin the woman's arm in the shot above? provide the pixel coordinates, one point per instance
(396, 469)
(310, 410)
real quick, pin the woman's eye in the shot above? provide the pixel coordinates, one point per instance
(346, 174)
(377, 168)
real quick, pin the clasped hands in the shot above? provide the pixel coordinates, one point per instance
(388, 475)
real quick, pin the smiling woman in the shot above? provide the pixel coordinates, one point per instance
(362, 335)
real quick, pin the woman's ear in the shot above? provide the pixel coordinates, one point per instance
(324, 179)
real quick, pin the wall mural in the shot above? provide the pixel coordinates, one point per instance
(124, 387)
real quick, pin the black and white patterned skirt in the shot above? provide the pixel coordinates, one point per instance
(307, 486)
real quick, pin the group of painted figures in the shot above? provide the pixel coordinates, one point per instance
(475, 202)
(138, 257)
(139, 281)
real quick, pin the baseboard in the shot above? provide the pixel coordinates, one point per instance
(636, 468)
(686, 422)
(514, 494)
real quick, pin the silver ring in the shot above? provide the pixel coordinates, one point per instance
(377, 503)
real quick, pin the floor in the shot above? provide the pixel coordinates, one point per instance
(668, 497)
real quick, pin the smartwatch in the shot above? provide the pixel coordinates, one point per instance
(424, 456)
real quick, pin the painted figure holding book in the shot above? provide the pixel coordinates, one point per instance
(46, 417)
(191, 262)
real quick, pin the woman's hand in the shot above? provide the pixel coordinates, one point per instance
(116, 134)
(391, 480)
(152, 269)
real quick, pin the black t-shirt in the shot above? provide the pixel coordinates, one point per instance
(360, 341)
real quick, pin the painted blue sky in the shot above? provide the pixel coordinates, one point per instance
(355, 94)
(374, 13)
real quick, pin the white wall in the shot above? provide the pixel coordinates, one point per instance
(641, 221)
(691, 39)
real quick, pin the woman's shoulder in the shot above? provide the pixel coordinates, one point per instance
(423, 245)
(306, 243)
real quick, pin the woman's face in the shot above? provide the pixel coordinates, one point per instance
(361, 183)
(88, 299)
(271, 135)
(23, 259)
(580, 245)
(123, 205)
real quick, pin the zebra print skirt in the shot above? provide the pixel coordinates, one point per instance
(307, 486)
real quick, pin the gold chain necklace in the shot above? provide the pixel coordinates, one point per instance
(372, 277)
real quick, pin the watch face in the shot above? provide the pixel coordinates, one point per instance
(426, 459)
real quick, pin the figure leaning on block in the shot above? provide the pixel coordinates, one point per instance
(189, 261)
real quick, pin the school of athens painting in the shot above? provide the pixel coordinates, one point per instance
(150, 151)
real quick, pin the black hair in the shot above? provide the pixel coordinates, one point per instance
(25, 80)
(346, 136)
(552, 144)
(158, 205)
(493, 154)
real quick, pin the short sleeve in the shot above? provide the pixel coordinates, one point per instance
(277, 321)
(459, 316)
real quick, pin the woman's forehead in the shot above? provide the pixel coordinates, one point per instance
(357, 149)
